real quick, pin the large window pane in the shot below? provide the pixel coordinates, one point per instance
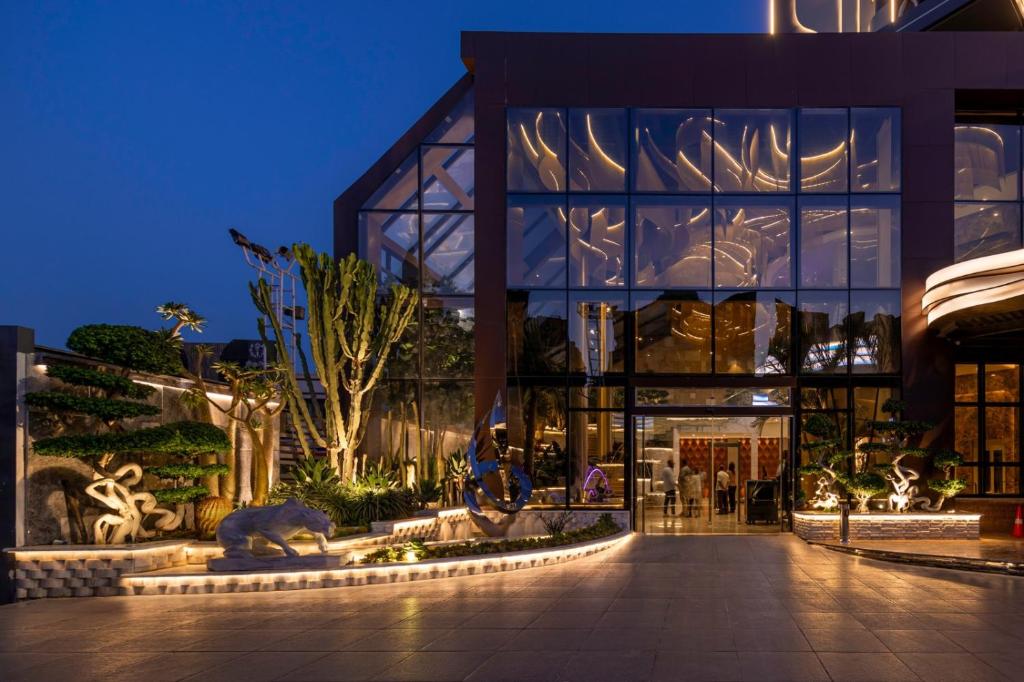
(824, 398)
(672, 243)
(448, 253)
(1002, 383)
(752, 243)
(597, 333)
(1001, 435)
(965, 432)
(965, 388)
(672, 150)
(597, 395)
(597, 242)
(875, 241)
(448, 337)
(875, 150)
(536, 150)
(752, 150)
(823, 150)
(447, 423)
(597, 150)
(404, 359)
(987, 162)
(875, 329)
(448, 178)
(457, 127)
(393, 427)
(823, 333)
(536, 242)
(752, 333)
(823, 242)
(391, 241)
(673, 332)
(985, 229)
(868, 402)
(597, 459)
(400, 192)
(537, 425)
(537, 332)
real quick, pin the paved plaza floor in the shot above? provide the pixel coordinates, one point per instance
(656, 608)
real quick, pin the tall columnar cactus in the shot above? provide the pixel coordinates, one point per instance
(351, 332)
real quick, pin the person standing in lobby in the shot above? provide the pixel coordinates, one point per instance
(722, 490)
(668, 484)
(732, 487)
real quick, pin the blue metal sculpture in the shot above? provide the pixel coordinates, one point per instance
(520, 487)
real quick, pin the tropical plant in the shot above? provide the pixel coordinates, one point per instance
(555, 524)
(826, 456)
(377, 476)
(350, 333)
(456, 469)
(864, 485)
(426, 491)
(312, 471)
(183, 316)
(947, 487)
(132, 348)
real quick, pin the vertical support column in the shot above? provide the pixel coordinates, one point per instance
(16, 347)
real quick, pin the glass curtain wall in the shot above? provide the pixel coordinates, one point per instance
(987, 210)
(644, 244)
(987, 427)
(418, 230)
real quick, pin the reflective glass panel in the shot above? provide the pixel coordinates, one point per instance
(752, 150)
(673, 332)
(597, 333)
(965, 432)
(752, 332)
(391, 241)
(448, 253)
(875, 241)
(400, 191)
(1001, 434)
(404, 360)
(597, 242)
(671, 243)
(823, 243)
(457, 127)
(447, 178)
(594, 395)
(966, 385)
(823, 333)
(823, 398)
(985, 229)
(987, 162)
(536, 242)
(752, 243)
(447, 424)
(597, 459)
(1002, 383)
(597, 150)
(537, 331)
(875, 150)
(823, 150)
(448, 337)
(1003, 480)
(867, 407)
(537, 421)
(672, 150)
(394, 426)
(875, 329)
(780, 396)
(536, 150)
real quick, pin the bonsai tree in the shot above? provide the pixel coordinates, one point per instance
(351, 332)
(864, 485)
(825, 456)
(947, 487)
(896, 435)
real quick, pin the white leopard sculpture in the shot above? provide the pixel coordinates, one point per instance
(277, 523)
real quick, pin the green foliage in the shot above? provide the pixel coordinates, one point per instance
(901, 429)
(178, 438)
(313, 471)
(368, 505)
(426, 491)
(603, 527)
(946, 460)
(555, 524)
(95, 378)
(348, 505)
(188, 470)
(893, 406)
(865, 484)
(130, 347)
(182, 495)
(377, 477)
(820, 426)
(107, 409)
(948, 487)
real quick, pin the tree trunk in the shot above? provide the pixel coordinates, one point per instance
(260, 477)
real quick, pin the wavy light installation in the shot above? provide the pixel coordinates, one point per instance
(991, 285)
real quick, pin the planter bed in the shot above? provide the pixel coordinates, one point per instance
(824, 527)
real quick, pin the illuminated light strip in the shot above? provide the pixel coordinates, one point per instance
(873, 516)
(600, 152)
(973, 283)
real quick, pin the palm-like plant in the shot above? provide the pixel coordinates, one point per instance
(184, 318)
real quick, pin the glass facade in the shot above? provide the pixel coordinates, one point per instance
(418, 229)
(987, 211)
(987, 427)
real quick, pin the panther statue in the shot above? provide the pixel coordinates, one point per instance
(276, 523)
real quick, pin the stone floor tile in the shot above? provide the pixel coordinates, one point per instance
(626, 639)
(609, 666)
(465, 639)
(572, 620)
(695, 666)
(840, 639)
(173, 666)
(347, 666)
(258, 666)
(327, 639)
(988, 641)
(439, 619)
(406, 639)
(235, 640)
(776, 638)
(502, 620)
(766, 666)
(631, 619)
(951, 667)
(708, 639)
(916, 641)
(434, 666)
(866, 667)
(1010, 664)
(533, 639)
(536, 666)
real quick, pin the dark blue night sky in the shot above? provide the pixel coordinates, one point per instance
(136, 133)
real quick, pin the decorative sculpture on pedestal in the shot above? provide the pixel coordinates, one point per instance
(485, 473)
(277, 524)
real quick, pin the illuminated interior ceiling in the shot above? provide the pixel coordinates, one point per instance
(978, 297)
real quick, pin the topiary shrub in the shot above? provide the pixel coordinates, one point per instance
(133, 348)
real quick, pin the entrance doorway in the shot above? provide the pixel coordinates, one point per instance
(753, 451)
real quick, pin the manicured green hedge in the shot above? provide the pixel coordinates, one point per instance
(86, 376)
(131, 347)
(603, 527)
(106, 409)
(180, 438)
(181, 495)
(188, 470)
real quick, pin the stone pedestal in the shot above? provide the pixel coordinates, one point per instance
(277, 563)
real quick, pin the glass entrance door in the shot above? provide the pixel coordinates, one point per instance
(710, 474)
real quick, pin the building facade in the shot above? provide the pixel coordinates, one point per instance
(677, 247)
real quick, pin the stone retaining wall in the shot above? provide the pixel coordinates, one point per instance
(910, 526)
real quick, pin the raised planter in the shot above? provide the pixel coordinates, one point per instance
(822, 527)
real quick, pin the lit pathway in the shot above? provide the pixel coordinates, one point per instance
(663, 608)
